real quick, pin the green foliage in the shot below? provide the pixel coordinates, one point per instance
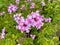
(47, 35)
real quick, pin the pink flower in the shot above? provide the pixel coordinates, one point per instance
(12, 8)
(17, 18)
(32, 36)
(43, 3)
(32, 5)
(22, 23)
(23, 27)
(47, 19)
(3, 33)
(17, 1)
(39, 24)
(2, 13)
(35, 20)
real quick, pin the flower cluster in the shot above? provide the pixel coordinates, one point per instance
(34, 19)
(12, 8)
(22, 23)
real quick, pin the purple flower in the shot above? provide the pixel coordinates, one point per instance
(22, 23)
(17, 1)
(43, 3)
(23, 27)
(35, 20)
(32, 36)
(47, 19)
(12, 8)
(2, 13)
(32, 5)
(3, 33)
(17, 17)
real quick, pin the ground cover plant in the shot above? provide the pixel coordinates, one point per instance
(29, 22)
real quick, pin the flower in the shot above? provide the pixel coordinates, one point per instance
(17, 1)
(17, 18)
(3, 33)
(23, 26)
(32, 5)
(2, 13)
(32, 36)
(12, 8)
(43, 3)
(22, 23)
(35, 20)
(47, 19)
